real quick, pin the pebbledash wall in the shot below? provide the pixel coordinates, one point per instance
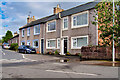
(65, 31)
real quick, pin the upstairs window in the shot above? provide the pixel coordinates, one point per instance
(51, 26)
(28, 31)
(80, 19)
(23, 32)
(65, 23)
(37, 29)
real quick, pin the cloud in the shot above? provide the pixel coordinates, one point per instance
(15, 13)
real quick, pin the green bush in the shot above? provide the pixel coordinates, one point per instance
(14, 46)
(56, 52)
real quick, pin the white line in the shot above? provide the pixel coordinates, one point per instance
(60, 64)
(27, 58)
(72, 73)
(23, 55)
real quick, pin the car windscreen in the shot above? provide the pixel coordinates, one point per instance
(5, 44)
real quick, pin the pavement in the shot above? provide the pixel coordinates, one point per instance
(17, 65)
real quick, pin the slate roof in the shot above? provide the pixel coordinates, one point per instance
(14, 36)
(68, 12)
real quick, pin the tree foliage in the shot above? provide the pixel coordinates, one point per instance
(104, 19)
(7, 36)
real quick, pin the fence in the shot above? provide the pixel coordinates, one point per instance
(99, 52)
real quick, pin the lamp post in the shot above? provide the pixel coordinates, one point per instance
(113, 53)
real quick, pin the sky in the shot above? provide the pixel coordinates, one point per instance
(13, 15)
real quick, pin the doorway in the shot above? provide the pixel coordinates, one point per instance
(42, 46)
(65, 45)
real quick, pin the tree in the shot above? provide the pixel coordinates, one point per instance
(104, 19)
(7, 36)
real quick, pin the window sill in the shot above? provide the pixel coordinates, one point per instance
(51, 31)
(37, 34)
(35, 47)
(79, 26)
(77, 48)
(65, 29)
(50, 48)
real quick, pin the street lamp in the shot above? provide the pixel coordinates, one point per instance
(113, 53)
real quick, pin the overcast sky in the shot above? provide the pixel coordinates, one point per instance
(14, 14)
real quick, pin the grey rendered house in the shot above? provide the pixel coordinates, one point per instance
(64, 31)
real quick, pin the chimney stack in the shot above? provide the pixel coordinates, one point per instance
(57, 9)
(30, 19)
(15, 33)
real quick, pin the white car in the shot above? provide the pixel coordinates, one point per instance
(5, 46)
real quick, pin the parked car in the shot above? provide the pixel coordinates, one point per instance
(26, 49)
(5, 46)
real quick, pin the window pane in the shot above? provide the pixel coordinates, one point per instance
(58, 43)
(81, 42)
(51, 26)
(74, 42)
(37, 29)
(52, 43)
(74, 21)
(36, 43)
(65, 23)
(80, 19)
(84, 19)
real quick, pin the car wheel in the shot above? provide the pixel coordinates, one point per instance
(25, 52)
(18, 51)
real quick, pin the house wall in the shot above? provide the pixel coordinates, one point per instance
(32, 36)
(14, 40)
(90, 31)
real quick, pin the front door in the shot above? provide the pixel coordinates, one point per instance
(65, 45)
(42, 46)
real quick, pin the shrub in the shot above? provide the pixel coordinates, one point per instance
(68, 53)
(14, 46)
(56, 52)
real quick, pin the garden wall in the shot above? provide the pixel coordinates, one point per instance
(99, 52)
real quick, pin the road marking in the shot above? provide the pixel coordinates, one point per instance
(2, 52)
(27, 58)
(72, 73)
(60, 64)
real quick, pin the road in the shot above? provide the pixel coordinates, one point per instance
(17, 65)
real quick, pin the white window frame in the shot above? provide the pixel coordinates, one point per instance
(28, 33)
(63, 23)
(78, 26)
(22, 32)
(47, 44)
(51, 22)
(58, 47)
(28, 41)
(76, 38)
(34, 29)
(33, 43)
(22, 42)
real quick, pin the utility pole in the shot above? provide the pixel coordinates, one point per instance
(113, 53)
